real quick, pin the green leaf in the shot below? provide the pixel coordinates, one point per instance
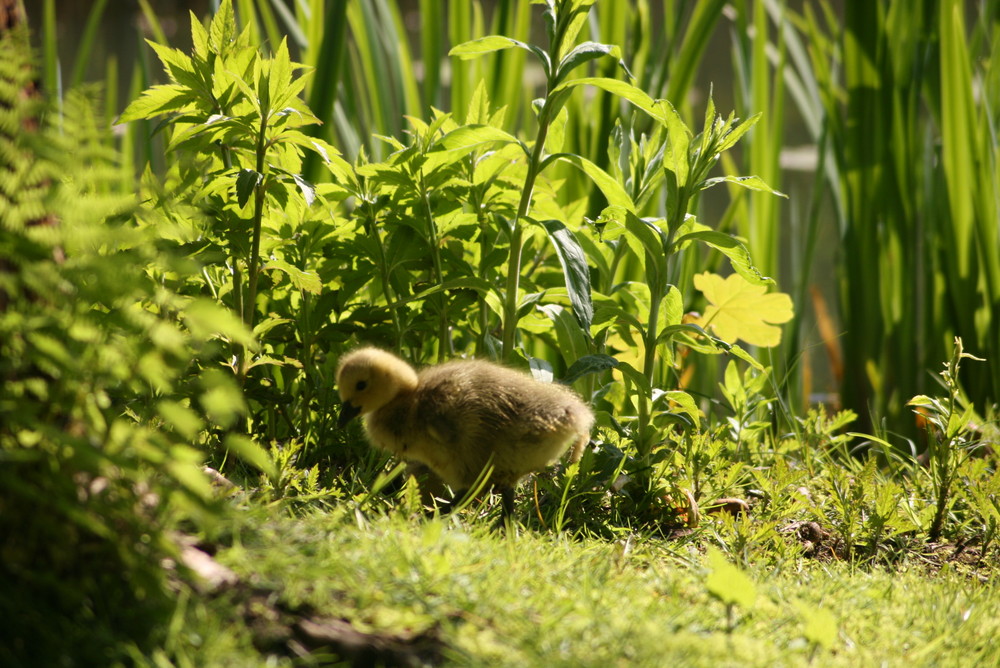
(464, 283)
(583, 53)
(483, 45)
(650, 237)
(155, 101)
(737, 351)
(307, 189)
(179, 66)
(748, 182)
(676, 158)
(820, 626)
(572, 339)
(206, 318)
(622, 89)
(684, 404)
(588, 364)
(739, 256)
(636, 377)
(302, 280)
(248, 450)
(575, 271)
(184, 420)
(609, 187)
(727, 582)
(737, 133)
(221, 399)
(246, 182)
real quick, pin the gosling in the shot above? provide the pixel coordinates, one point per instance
(459, 417)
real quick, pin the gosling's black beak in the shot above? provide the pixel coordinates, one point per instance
(347, 413)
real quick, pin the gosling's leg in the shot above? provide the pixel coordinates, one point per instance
(455, 502)
(506, 520)
(507, 502)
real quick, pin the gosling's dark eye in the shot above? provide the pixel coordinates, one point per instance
(362, 384)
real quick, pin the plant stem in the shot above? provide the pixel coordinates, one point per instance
(444, 338)
(253, 268)
(517, 234)
(383, 270)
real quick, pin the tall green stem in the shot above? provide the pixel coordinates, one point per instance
(517, 233)
(253, 268)
(383, 269)
(444, 339)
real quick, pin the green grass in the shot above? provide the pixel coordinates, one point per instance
(544, 599)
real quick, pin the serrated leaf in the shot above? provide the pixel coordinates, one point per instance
(307, 189)
(302, 280)
(155, 101)
(739, 309)
(684, 404)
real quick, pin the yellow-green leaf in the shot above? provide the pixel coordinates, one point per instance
(739, 309)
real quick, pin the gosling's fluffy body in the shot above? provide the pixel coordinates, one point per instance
(459, 416)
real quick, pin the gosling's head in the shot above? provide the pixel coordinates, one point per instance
(368, 379)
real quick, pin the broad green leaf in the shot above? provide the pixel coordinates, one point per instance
(246, 182)
(469, 137)
(307, 189)
(650, 236)
(465, 283)
(684, 404)
(609, 311)
(676, 158)
(199, 38)
(302, 280)
(491, 43)
(571, 338)
(248, 450)
(184, 420)
(583, 53)
(727, 582)
(636, 377)
(575, 271)
(189, 475)
(609, 187)
(221, 399)
(205, 318)
(736, 351)
(819, 625)
(739, 256)
(586, 365)
(622, 89)
(178, 65)
(741, 310)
